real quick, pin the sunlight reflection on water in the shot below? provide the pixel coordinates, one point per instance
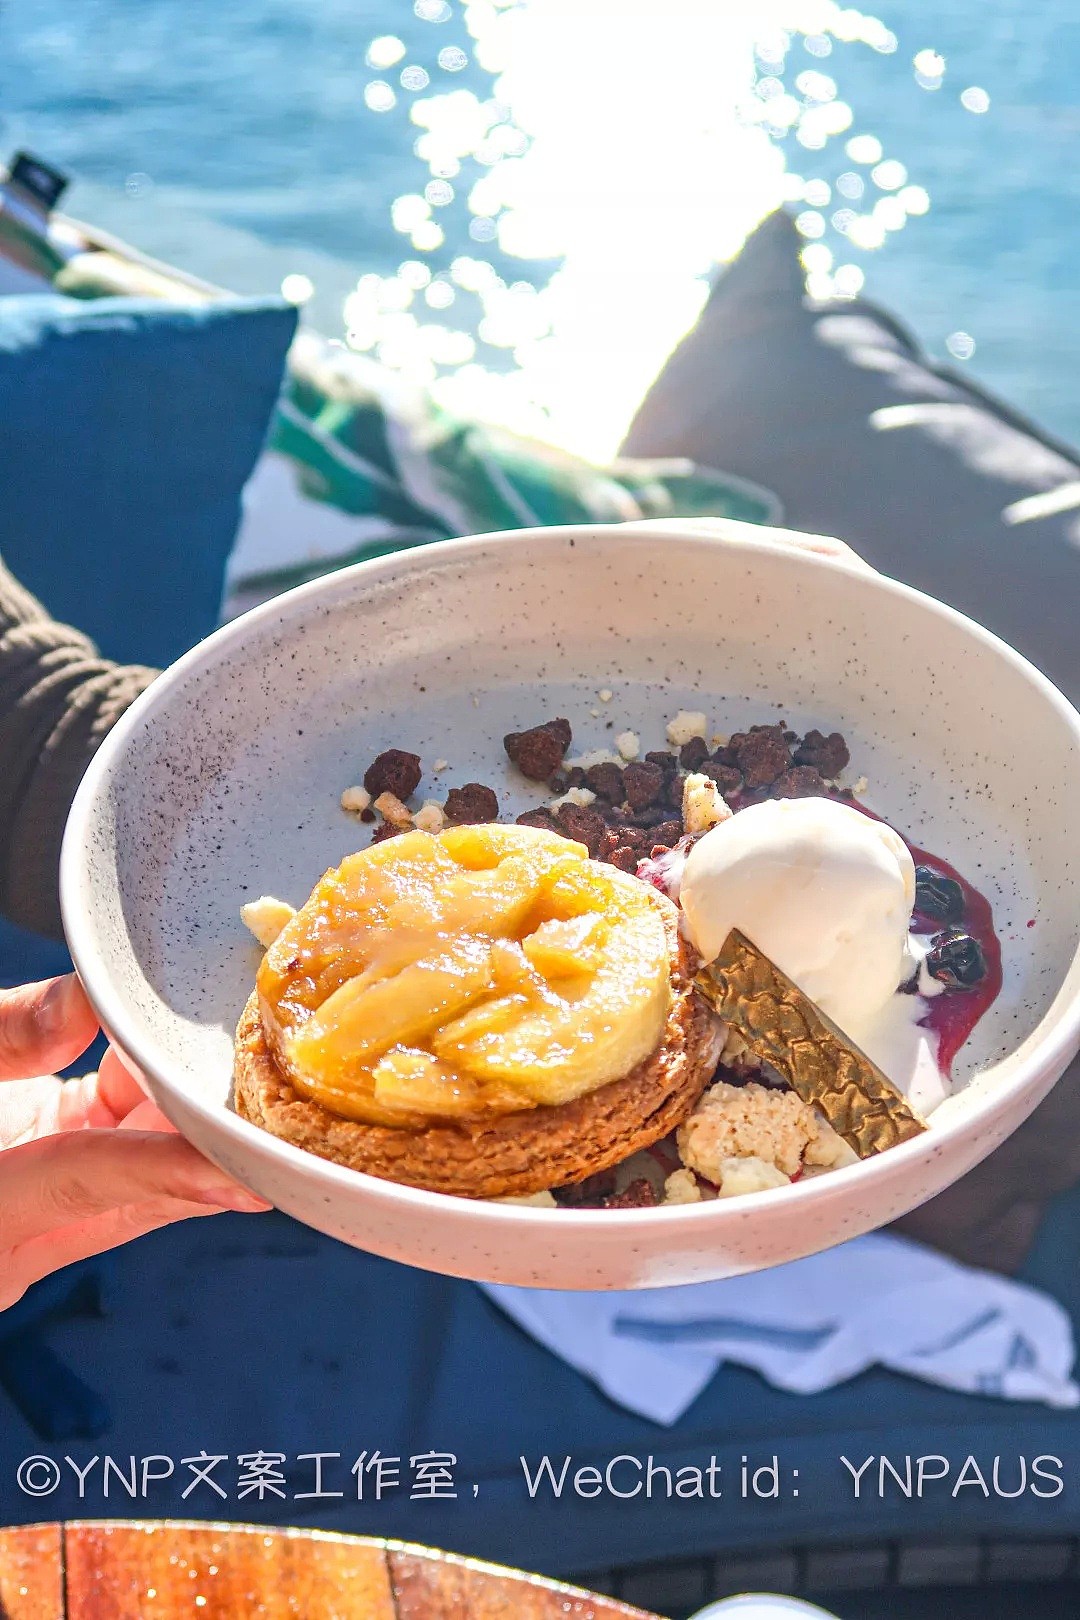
(620, 165)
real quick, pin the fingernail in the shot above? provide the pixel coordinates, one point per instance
(56, 1006)
(226, 1195)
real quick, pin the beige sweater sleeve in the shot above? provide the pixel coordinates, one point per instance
(58, 699)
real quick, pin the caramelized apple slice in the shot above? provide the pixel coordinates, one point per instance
(412, 1081)
(556, 1053)
(365, 1018)
(495, 902)
(476, 848)
(564, 946)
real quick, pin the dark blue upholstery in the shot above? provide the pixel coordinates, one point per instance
(236, 1334)
(128, 428)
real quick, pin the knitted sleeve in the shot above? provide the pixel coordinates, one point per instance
(58, 699)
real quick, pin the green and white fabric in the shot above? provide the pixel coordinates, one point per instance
(357, 465)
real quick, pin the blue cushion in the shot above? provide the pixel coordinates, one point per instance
(930, 477)
(128, 427)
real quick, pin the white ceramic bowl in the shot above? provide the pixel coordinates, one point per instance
(222, 783)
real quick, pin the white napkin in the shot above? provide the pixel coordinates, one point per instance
(879, 1300)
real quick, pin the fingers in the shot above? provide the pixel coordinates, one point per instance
(147, 1117)
(101, 1100)
(732, 530)
(44, 1255)
(43, 1027)
(62, 1180)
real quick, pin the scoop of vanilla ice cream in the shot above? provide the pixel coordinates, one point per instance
(825, 892)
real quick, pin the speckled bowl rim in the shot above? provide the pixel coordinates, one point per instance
(91, 966)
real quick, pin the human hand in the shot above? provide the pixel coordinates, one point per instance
(736, 532)
(84, 1164)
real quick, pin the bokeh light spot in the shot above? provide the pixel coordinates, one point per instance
(385, 51)
(864, 149)
(961, 345)
(297, 288)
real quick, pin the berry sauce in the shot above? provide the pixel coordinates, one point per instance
(954, 1013)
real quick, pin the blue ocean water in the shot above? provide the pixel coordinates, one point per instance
(235, 140)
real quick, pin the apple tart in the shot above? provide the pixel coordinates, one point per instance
(482, 1011)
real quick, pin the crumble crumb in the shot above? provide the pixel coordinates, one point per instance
(540, 1200)
(629, 744)
(605, 694)
(703, 805)
(749, 1175)
(585, 762)
(595, 713)
(828, 1150)
(430, 817)
(391, 809)
(266, 917)
(686, 724)
(440, 765)
(860, 786)
(355, 799)
(737, 1053)
(735, 1046)
(743, 1122)
(575, 795)
(681, 1188)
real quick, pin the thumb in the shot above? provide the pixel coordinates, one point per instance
(44, 1027)
(736, 532)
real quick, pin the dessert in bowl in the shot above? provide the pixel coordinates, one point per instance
(224, 783)
(482, 1011)
(520, 1010)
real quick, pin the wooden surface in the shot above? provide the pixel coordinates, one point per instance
(131, 1571)
(32, 1573)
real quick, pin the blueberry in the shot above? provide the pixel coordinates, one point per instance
(938, 896)
(957, 961)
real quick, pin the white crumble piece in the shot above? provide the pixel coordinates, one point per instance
(629, 745)
(605, 694)
(681, 1188)
(391, 809)
(718, 740)
(430, 817)
(440, 765)
(581, 796)
(744, 1122)
(598, 756)
(686, 724)
(734, 1047)
(749, 1175)
(860, 787)
(266, 917)
(703, 805)
(540, 1200)
(356, 799)
(595, 714)
(828, 1150)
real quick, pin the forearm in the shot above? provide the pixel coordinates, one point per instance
(58, 699)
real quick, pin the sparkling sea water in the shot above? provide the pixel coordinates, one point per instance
(520, 204)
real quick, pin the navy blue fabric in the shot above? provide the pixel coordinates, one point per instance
(128, 427)
(238, 1334)
(25, 957)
